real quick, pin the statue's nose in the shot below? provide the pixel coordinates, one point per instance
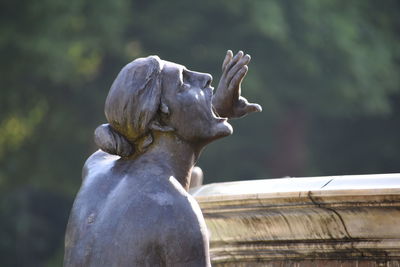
(207, 80)
(204, 79)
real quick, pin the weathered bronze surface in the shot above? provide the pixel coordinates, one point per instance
(133, 208)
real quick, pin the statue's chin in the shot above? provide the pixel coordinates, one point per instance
(213, 132)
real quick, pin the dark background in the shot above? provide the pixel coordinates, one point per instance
(325, 72)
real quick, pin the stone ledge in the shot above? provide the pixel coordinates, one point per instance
(351, 218)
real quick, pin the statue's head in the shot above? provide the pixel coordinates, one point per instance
(150, 94)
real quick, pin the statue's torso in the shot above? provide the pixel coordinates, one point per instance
(130, 218)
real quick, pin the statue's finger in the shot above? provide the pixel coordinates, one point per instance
(227, 59)
(238, 78)
(237, 69)
(244, 108)
(234, 60)
(253, 107)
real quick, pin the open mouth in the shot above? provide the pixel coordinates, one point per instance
(215, 114)
(212, 108)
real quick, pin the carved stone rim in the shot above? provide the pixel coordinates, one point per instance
(354, 217)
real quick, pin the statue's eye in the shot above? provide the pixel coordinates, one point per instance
(185, 76)
(185, 86)
(185, 81)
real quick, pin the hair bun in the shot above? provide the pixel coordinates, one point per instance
(112, 142)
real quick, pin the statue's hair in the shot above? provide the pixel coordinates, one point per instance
(131, 104)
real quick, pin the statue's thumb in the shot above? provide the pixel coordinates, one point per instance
(253, 107)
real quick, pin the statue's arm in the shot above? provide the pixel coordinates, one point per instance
(227, 100)
(186, 250)
(185, 241)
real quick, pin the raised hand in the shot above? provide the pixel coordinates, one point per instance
(227, 100)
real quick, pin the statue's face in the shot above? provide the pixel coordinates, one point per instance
(188, 95)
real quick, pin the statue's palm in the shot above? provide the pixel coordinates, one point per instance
(228, 101)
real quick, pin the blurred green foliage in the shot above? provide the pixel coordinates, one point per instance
(326, 73)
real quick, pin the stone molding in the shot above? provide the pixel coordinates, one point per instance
(345, 218)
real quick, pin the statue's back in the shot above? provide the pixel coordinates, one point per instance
(126, 218)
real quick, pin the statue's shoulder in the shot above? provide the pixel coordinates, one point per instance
(99, 161)
(171, 201)
(98, 179)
